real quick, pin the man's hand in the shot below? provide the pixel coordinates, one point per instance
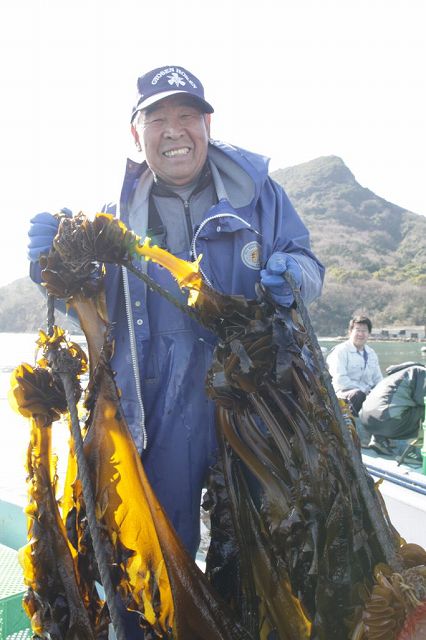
(43, 228)
(272, 277)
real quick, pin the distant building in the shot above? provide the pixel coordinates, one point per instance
(398, 332)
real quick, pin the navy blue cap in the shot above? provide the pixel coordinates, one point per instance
(167, 81)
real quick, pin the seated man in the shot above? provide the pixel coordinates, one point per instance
(354, 366)
(395, 408)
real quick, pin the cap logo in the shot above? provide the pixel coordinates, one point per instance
(174, 79)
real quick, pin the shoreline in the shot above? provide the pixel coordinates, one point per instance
(374, 339)
(371, 338)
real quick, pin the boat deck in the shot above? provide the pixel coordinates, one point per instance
(403, 488)
(14, 624)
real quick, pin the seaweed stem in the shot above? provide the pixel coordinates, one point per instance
(373, 506)
(83, 470)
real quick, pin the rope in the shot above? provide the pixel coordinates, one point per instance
(163, 292)
(410, 448)
(50, 313)
(95, 531)
(376, 515)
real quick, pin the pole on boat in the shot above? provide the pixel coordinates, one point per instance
(372, 503)
(59, 365)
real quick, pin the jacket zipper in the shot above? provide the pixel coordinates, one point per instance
(194, 239)
(188, 219)
(133, 354)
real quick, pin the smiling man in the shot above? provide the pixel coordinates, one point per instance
(175, 134)
(193, 196)
(354, 366)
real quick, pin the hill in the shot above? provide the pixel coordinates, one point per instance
(23, 309)
(373, 250)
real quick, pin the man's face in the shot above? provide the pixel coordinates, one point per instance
(359, 335)
(174, 134)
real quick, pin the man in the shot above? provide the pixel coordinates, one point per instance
(395, 408)
(353, 365)
(192, 196)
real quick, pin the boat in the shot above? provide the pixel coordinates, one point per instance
(403, 489)
(343, 514)
(14, 623)
(402, 486)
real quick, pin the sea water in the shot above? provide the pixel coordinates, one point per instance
(16, 348)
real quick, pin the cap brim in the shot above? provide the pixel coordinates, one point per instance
(165, 94)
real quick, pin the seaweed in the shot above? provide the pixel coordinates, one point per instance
(59, 601)
(294, 551)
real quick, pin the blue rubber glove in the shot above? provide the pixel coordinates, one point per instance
(43, 228)
(272, 277)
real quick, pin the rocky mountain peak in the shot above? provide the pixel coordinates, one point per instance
(319, 173)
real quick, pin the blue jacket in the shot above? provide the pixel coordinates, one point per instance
(161, 356)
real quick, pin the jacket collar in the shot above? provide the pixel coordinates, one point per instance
(355, 350)
(160, 188)
(238, 175)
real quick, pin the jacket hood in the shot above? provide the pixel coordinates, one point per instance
(243, 172)
(239, 174)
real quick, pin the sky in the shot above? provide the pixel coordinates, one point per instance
(290, 79)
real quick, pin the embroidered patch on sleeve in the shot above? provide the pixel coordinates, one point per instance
(250, 255)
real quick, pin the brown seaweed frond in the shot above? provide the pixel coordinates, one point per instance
(80, 242)
(279, 428)
(36, 393)
(384, 614)
(56, 594)
(152, 570)
(48, 344)
(74, 265)
(395, 608)
(307, 544)
(36, 389)
(413, 555)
